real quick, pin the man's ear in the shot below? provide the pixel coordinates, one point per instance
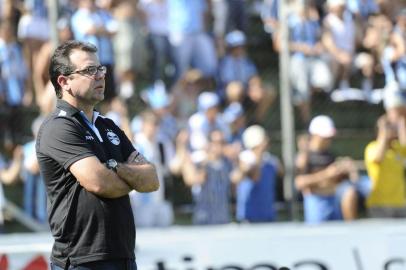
(63, 82)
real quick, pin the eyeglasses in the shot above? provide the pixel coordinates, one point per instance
(91, 70)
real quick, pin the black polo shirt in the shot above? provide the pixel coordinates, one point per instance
(85, 227)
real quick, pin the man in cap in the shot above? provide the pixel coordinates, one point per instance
(320, 175)
(385, 158)
(256, 177)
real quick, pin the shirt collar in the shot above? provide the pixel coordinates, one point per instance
(70, 110)
(95, 115)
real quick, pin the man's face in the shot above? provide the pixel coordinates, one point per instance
(216, 143)
(323, 142)
(85, 87)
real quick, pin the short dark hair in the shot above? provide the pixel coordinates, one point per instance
(60, 63)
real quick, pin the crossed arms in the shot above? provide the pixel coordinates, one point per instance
(134, 174)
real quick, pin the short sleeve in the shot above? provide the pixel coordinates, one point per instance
(64, 141)
(126, 145)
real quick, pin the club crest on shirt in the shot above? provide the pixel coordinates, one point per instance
(113, 138)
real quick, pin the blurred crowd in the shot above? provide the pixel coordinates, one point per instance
(204, 103)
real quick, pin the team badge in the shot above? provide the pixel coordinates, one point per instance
(114, 139)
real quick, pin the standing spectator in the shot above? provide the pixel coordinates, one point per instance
(384, 159)
(339, 40)
(152, 209)
(14, 78)
(320, 174)
(33, 32)
(308, 70)
(97, 26)
(14, 71)
(256, 177)
(191, 44)
(208, 174)
(131, 53)
(156, 20)
(375, 40)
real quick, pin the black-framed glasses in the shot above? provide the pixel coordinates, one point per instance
(91, 70)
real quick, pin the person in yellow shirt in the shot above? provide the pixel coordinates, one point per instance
(385, 158)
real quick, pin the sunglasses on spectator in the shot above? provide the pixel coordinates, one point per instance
(91, 70)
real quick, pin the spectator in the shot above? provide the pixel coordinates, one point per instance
(377, 35)
(156, 20)
(308, 69)
(234, 92)
(130, 50)
(236, 67)
(384, 159)
(339, 40)
(208, 174)
(256, 177)
(321, 176)
(191, 45)
(97, 26)
(153, 209)
(33, 32)
(206, 119)
(14, 77)
(184, 95)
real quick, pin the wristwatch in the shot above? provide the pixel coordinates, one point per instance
(112, 164)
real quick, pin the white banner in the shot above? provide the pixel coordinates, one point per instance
(362, 245)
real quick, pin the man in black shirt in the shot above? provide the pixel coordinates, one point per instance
(322, 178)
(89, 167)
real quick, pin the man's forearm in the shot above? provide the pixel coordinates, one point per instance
(115, 188)
(141, 177)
